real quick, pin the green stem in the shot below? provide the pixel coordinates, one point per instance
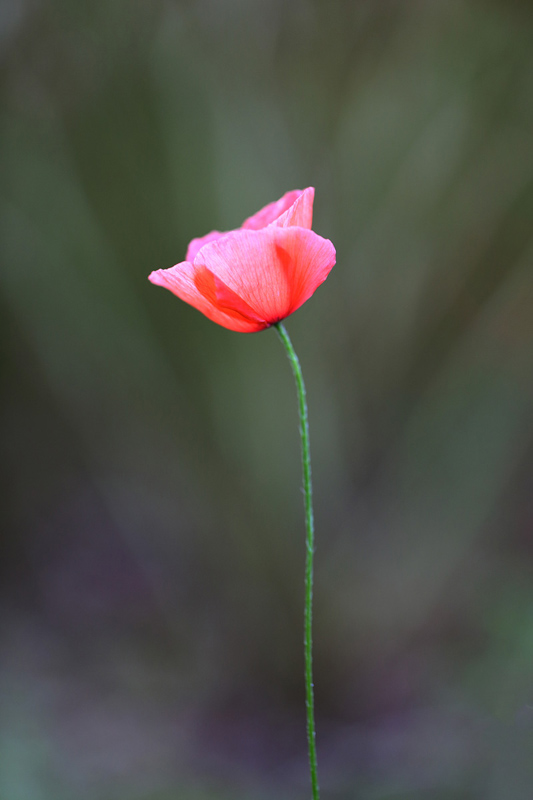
(310, 535)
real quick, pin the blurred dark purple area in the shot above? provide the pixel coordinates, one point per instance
(152, 544)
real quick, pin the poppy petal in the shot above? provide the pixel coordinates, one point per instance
(197, 244)
(271, 212)
(195, 287)
(300, 213)
(273, 270)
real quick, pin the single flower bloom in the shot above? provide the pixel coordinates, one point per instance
(255, 276)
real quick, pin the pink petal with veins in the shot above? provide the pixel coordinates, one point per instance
(273, 211)
(273, 270)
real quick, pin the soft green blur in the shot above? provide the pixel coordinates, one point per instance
(152, 525)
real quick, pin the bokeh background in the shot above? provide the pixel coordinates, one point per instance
(152, 523)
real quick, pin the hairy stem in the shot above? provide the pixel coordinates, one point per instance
(310, 535)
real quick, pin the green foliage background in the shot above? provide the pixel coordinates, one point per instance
(152, 524)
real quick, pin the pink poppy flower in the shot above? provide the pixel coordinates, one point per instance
(255, 276)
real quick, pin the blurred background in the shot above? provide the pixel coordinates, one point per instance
(152, 543)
